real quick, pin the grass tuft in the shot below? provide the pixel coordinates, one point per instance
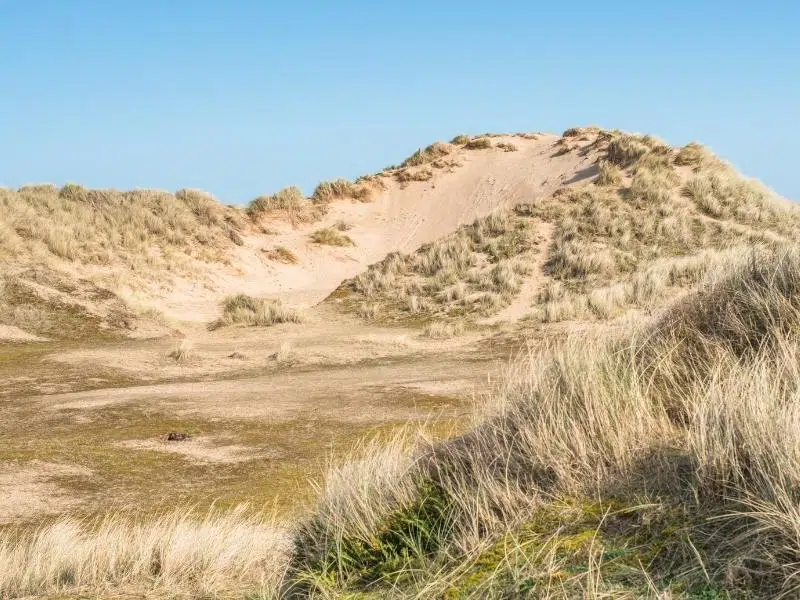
(331, 237)
(242, 309)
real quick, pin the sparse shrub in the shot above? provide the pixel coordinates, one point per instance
(242, 309)
(331, 237)
(182, 352)
(693, 155)
(407, 175)
(343, 225)
(608, 174)
(479, 144)
(369, 311)
(289, 199)
(626, 149)
(507, 147)
(433, 152)
(70, 191)
(443, 329)
(281, 254)
(339, 189)
(460, 140)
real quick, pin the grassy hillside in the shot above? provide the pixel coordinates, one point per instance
(646, 224)
(661, 465)
(656, 459)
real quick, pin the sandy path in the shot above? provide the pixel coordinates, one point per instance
(521, 305)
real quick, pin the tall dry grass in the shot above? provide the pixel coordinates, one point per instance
(689, 425)
(176, 555)
(138, 229)
(242, 309)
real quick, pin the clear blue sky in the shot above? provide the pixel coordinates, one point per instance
(243, 97)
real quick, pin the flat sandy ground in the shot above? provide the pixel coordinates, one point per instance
(85, 428)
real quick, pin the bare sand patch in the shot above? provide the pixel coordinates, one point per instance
(202, 449)
(9, 333)
(29, 489)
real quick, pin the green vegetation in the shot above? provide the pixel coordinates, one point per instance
(657, 465)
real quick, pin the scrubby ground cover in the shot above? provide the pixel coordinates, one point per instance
(474, 271)
(662, 465)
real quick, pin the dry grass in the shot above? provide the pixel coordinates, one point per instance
(695, 155)
(430, 154)
(615, 247)
(441, 330)
(281, 254)
(608, 174)
(460, 140)
(331, 237)
(476, 270)
(177, 555)
(182, 352)
(242, 309)
(409, 175)
(594, 450)
(135, 232)
(340, 189)
(289, 203)
(482, 143)
(507, 147)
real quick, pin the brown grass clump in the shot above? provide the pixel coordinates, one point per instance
(626, 149)
(242, 309)
(694, 155)
(289, 202)
(281, 254)
(581, 132)
(331, 237)
(482, 143)
(441, 330)
(409, 175)
(608, 174)
(182, 352)
(340, 189)
(507, 147)
(433, 152)
(460, 140)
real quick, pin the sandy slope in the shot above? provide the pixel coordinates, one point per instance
(401, 217)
